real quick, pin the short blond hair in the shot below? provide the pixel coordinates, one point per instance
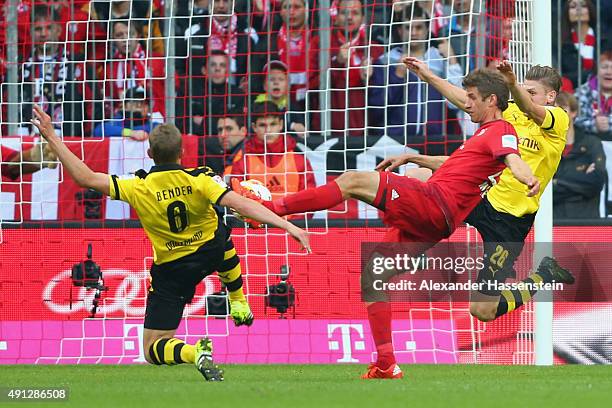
(166, 144)
(545, 75)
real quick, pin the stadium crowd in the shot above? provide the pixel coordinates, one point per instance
(254, 77)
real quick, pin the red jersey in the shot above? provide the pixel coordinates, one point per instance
(473, 169)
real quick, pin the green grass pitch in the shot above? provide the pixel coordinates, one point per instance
(319, 386)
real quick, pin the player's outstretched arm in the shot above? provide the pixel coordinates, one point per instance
(455, 95)
(522, 98)
(429, 162)
(78, 170)
(522, 172)
(252, 209)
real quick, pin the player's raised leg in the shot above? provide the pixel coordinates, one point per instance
(360, 185)
(490, 305)
(419, 173)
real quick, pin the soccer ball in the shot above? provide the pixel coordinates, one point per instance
(258, 188)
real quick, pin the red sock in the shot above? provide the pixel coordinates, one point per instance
(311, 199)
(379, 315)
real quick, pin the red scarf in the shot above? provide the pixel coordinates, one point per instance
(128, 72)
(438, 21)
(357, 54)
(292, 51)
(124, 73)
(224, 38)
(586, 49)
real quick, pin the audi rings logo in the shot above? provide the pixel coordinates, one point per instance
(126, 298)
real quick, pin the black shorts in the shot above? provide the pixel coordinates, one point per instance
(173, 284)
(503, 236)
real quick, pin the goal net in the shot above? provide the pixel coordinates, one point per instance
(289, 92)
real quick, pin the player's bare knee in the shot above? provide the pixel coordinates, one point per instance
(149, 339)
(146, 348)
(358, 184)
(485, 312)
(419, 173)
(348, 181)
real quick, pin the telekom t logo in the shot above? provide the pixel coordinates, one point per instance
(129, 344)
(347, 343)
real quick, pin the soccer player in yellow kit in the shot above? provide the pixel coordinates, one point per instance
(190, 240)
(506, 214)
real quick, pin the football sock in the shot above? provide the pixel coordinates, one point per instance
(171, 351)
(311, 199)
(379, 315)
(231, 275)
(510, 300)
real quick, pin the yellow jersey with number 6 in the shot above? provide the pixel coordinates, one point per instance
(174, 205)
(541, 148)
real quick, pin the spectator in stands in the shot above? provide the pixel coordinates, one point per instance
(214, 94)
(582, 171)
(578, 40)
(232, 131)
(261, 15)
(25, 16)
(276, 89)
(400, 104)
(433, 9)
(270, 155)
(226, 146)
(192, 18)
(75, 11)
(460, 30)
(129, 67)
(141, 11)
(222, 31)
(47, 75)
(290, 45)
(349, 51)
(134, 122)
(595, 98)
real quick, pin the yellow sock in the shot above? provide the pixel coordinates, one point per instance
(238, 294)
(513, 299)
(171, 351)
(231, 276)
(188, 353)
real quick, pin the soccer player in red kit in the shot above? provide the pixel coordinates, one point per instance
(427, 212)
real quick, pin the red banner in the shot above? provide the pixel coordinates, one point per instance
(35, 282)
(35, 267)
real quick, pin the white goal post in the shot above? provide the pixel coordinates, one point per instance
(541, 51)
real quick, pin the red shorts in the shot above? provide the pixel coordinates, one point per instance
(412, 209)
